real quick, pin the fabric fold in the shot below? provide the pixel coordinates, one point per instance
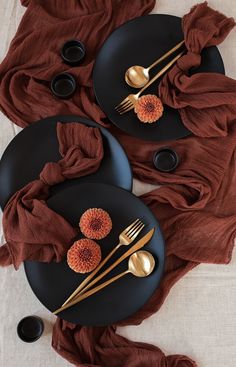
(32, 230)
(196, 204)
(201, 98)
(26, 71)
(103, 347)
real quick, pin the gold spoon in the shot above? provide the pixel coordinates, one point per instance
(138, 76)
(141, 264)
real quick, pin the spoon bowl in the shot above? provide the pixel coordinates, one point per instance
(137, 76)
(141, 264)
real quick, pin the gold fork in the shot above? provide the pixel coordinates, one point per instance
(126, 237)
(129, 102)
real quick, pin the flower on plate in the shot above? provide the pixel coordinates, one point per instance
(149, 108)
(84, 256)
(95, 223)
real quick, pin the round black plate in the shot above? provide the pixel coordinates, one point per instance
(140, 42)
(53, 283)
(37, 144)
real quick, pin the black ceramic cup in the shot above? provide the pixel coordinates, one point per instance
(73, 52)
(30, 328)
(63, 85)
(166, 160)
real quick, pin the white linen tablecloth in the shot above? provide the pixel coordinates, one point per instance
(199, 316)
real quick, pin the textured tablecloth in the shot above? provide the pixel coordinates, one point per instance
(198, 317)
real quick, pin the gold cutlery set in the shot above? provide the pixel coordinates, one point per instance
(138, 77)
(140, 264)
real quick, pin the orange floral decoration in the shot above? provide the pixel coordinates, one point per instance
(149, 108)
(84, 256)
(95, 223)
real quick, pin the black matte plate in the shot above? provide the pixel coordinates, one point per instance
(52, 283)
(140, 42)
(37, 144)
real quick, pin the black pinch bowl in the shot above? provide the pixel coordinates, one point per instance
(166, 159)
(73, 52)
(63, 85)
(30, 328)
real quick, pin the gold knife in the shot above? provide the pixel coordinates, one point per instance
(141, 243)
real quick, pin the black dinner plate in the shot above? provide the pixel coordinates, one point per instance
(52, 283)
(140, 42)
(37, 144)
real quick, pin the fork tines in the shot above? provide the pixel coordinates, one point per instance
(135, 228)
(125, 106)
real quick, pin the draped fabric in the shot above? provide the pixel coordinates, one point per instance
(203, 97)
(196, 205)
(34, 58)
(32, 230)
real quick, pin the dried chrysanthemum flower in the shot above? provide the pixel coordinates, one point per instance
(84, 256)
(95, 223)
(149, 108)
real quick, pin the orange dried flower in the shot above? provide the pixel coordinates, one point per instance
(95, 223)
(84, 256)
(149, 108)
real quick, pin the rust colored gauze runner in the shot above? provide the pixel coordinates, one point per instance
(32, 230)
(196, 206)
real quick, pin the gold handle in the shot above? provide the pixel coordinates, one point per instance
(166, 55)
(160, 73)
(142, 242)
(92, 291)
(90, 276)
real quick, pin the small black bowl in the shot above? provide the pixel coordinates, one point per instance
(30, 328)
(73, 52)
(63, 85)
(166, 160)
